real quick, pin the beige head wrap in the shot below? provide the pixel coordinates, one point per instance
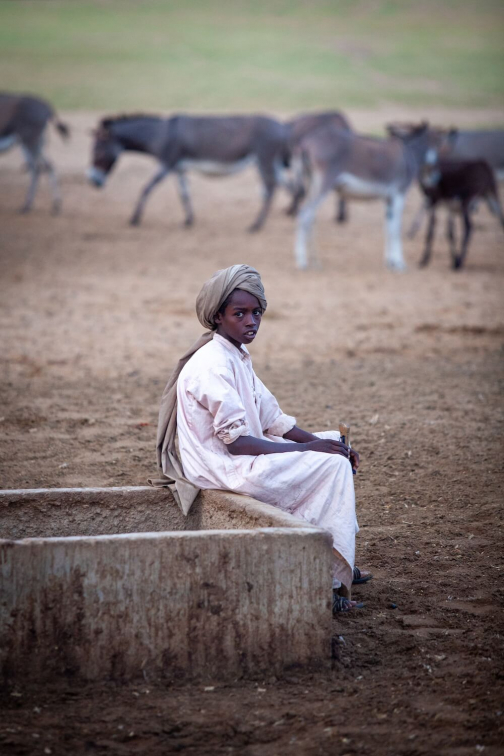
(214, 292)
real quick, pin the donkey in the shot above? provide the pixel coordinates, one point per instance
(459, 184)
(23, 121)
(298, 128)
(467, 145)
(361, 167)
(213, 145)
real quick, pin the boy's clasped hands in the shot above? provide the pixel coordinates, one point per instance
(330, 446)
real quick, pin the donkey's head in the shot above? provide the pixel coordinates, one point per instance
(424, 141)
(106, 149)
(406, 130)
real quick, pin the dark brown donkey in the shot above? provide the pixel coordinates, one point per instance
(460, 184)
(216, 146)
(299, 128)
(467, 145)
(23, 121)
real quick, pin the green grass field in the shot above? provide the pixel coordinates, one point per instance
(281, 55)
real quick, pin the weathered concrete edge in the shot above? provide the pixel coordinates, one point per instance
(159, 535)
(234, 503)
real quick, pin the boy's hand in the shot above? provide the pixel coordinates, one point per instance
(328, 446)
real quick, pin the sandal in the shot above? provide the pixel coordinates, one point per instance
(340, 604)
(358, 578)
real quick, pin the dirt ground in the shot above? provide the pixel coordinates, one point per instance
(95, 313)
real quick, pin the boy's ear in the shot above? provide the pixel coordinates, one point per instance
(218, 318)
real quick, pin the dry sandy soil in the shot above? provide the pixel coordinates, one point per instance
(94, 315)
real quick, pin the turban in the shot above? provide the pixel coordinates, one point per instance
(209, 301)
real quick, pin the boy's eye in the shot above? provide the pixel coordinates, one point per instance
(257, 312)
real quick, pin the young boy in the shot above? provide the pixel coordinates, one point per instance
(233, 435)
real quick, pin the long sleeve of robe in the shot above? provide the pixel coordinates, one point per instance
(219, 399)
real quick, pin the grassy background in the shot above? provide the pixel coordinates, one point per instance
(281, 55)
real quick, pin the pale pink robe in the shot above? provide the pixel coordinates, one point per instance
(219, 399)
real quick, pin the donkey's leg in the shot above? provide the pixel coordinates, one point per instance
(33, 165)
(341, 210)
(185, 198)
(306, 218)
(266, 166)
(452, 236)
(298, 184)
(417, 220)
(137, 215)
(53, 180)
(428, 239)
(459, 261)
(298, 194)
(393, 245)
(495, 206)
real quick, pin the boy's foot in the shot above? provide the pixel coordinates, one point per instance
(341, 604)
(360, 576)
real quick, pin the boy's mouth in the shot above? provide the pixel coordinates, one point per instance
(250, 334)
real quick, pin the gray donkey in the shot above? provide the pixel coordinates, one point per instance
(298, 128)
(23, 121)
(212, 145)
(361, 167)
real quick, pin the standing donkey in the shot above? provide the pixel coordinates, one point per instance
(465, 145)
(298, 128)
(216, 146)
(459, 184)
(23, 121)
(361, 167)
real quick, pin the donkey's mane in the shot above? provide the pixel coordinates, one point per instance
(110, 120)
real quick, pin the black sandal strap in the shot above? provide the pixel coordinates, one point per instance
(340, 604)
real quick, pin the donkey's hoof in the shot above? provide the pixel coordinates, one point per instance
(24, 210)
(254, 228)
(134, 221)
(396, 267)
(188, 223)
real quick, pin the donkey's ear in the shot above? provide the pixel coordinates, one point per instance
(392, 129)
(453, 134)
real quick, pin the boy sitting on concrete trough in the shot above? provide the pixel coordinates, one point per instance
(233, 435)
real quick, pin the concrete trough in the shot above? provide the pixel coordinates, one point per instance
(115, 583)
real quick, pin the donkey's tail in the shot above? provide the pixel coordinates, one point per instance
(61, 128)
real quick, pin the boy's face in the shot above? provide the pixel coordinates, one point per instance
(241, 319)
